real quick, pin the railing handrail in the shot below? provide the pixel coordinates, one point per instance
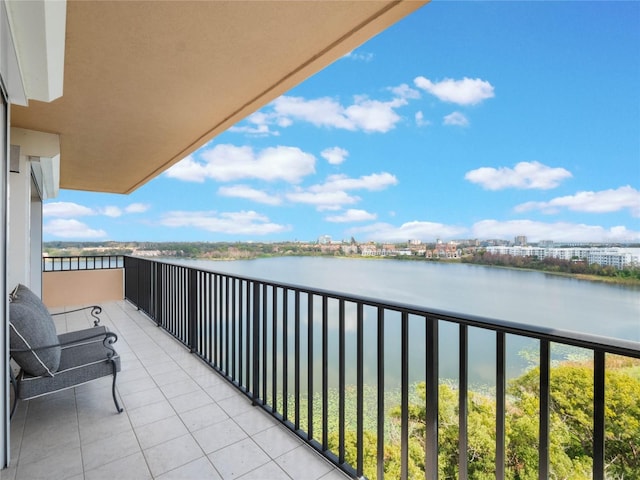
(612, 345)
(74, 262)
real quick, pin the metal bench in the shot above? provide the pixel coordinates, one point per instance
(49, 362)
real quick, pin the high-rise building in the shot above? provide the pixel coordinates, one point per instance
(520, 240)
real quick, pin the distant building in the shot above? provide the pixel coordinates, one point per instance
(614, 256)
(324, 239)
(520, 240)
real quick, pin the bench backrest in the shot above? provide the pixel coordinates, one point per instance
(32, 327)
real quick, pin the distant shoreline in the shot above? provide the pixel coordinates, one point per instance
(631, 282)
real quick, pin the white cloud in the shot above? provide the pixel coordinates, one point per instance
(559, 231)
(373, 182)
(69, 228)
(244, 191)
(364, 114)
(334, 155)
(462, 92)
(420, 121)
(359, 56)
(229, 162)
(258, 126)
(525, 175)
(65, 210)
(332, 194)
(405, 91)
(352, 215)
(137, 208)
(506, 230)
(323, 200)
(230, 223)
(426, 231)
(457, 119)
(111, 211)
(604, 201)
(188, 170)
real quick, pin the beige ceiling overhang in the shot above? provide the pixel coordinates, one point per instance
(146, 83)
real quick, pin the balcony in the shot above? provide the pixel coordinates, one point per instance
(181, 420)
(238, 380)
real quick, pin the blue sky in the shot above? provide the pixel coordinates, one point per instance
(464, 120)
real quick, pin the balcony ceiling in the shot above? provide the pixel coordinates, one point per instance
(147, 83)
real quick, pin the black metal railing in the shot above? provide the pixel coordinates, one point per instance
(289, 347)
(82, 262)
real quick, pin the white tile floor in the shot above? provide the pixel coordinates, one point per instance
(181, 420)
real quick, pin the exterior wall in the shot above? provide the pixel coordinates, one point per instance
(20, 226)
(4, 304)
(35, 262)
(82, 287)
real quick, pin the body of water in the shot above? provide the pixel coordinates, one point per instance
(531, 298)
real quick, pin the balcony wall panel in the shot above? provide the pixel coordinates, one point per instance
(81, 287)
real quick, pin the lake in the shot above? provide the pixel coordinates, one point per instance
(528, 297)
(534, 298)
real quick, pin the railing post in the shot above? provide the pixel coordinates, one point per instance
(463, 403)
(431, 450)
(500, 405)
(156, 274)
(543, 456)
(255, 371)
(404, 398)
(381, 411)
(193, 309)
(598, 414)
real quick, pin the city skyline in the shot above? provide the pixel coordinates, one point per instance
(464, 120)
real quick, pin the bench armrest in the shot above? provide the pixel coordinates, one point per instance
(108, 339)
(95, 311)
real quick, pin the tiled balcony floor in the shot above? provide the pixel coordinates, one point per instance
(180, 421)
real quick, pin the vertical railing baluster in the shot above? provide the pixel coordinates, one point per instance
(431, 450)
(171, 314)
(598, 414)
(325, 372)
(285, 354)
(463, 405)
(256, 343)
(264, 342)
(274, 348)
(248, 336)
(360, 388)
(404, 398)
(160, 296)
(341, 381)
(210, 322)
(216, 321)
(241, 319)
(200, 338)
(380, 391)
(234, 319)
(500, 405)
(309, 366)
(296, 404)
(227, 321)
(543, 435)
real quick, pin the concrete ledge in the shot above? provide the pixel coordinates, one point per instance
(82, 287)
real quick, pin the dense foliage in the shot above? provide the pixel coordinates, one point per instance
(571, 439)
(554, 265)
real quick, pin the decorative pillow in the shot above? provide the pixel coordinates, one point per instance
(31, 326)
